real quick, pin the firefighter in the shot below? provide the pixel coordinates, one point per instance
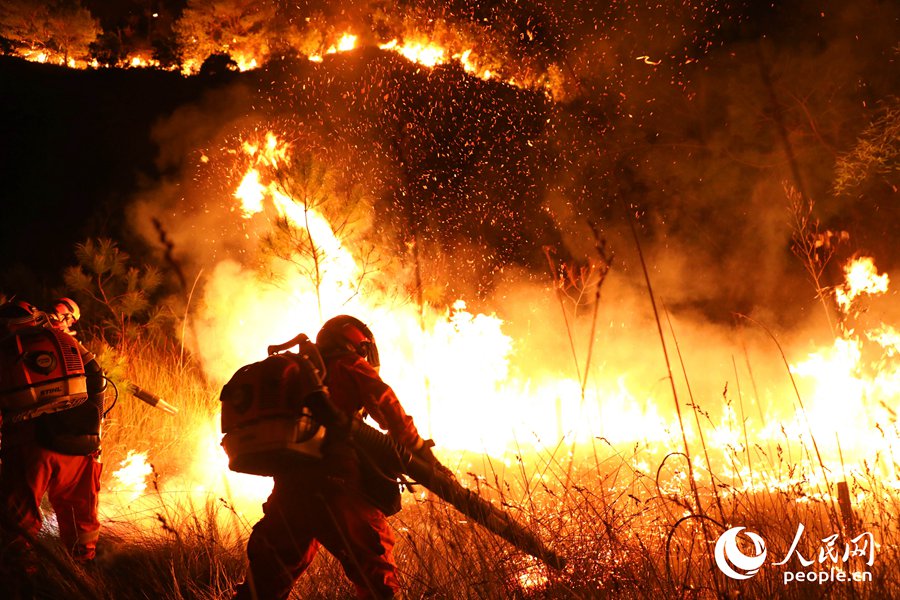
(57, 454)
(326, 502)
(64, 315)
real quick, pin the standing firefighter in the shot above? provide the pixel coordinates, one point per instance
(51, 392)
(330, 501)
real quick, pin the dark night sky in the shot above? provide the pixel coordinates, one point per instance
(75, 146)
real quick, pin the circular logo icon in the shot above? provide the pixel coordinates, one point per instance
(732, 561)
(42, 362)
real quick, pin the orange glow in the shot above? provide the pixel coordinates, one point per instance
(470, 67)
(210, 475)
(445, 364)
(837, 384)
(251, 193)
(531, 573)
(48, 57)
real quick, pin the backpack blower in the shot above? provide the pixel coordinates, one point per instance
(41, 372)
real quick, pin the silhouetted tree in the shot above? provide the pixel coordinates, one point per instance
(108, 48)
(217, 64)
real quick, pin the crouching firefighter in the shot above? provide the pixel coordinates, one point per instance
(325, 492)
(51, 395)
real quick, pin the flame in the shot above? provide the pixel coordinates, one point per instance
(837, 385)
(855, 381)
(460, 373)
(139, 61)
(428, 55)
(451, 367)
(245, 63)
(131, 477)
(336, 260)
(469, 66)
(346, 43)
(251, 193)
(861, 278)
(421, 52)
(210, 474)
(888, 338)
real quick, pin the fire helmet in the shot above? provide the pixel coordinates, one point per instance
(343, 334)
(64, 314)
(67, 306)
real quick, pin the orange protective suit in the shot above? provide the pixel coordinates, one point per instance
(323, 503)
(55, 454)
(72, 484)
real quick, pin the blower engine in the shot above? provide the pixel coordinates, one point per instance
(265, 419)
(41, 372)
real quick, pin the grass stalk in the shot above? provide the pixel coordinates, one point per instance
(687, 383)
(696, 493)
(834, 516)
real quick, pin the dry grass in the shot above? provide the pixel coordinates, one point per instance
(625, 518)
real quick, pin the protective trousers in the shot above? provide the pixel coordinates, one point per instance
(72, 484)
(302, 515)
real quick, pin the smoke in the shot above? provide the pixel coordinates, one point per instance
(662, 122)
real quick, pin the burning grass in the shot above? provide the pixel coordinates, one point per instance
(625, 517)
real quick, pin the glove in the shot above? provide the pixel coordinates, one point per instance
(424, 453)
